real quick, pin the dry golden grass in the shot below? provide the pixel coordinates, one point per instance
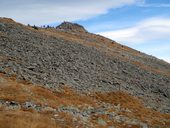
(31, 119)
(23, 119)
(12, 90)
(148, 68)
(123, 98)
(6, 20)
(136, 107)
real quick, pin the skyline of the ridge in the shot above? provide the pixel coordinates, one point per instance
(141, 24)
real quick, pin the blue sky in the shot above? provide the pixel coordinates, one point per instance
(140, 24)
(118, 24)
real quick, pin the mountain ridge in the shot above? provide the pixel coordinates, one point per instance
(85, 62)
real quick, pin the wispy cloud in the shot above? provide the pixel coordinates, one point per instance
(47, 11)
(151, 36)
(167, 59)
(145, 31)
(159, 49)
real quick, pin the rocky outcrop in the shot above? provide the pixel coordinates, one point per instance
(72, 27)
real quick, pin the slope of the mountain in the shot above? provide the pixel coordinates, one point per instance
(31, 106)
(95, 67)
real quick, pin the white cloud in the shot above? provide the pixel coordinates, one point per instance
(150, 36)
(167, 59)
(47, 11)
(158, 49)
(161, 50)
(145, 31)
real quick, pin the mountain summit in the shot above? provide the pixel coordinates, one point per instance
(68, 26)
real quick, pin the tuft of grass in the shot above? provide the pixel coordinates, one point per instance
(22, 119)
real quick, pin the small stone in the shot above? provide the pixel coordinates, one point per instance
(111, 127)
(143, 125)
(101, 122)
(29, 105)
(55, 115)
(49, 109)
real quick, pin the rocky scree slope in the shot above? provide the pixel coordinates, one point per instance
(32, 106)
(88, 63)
